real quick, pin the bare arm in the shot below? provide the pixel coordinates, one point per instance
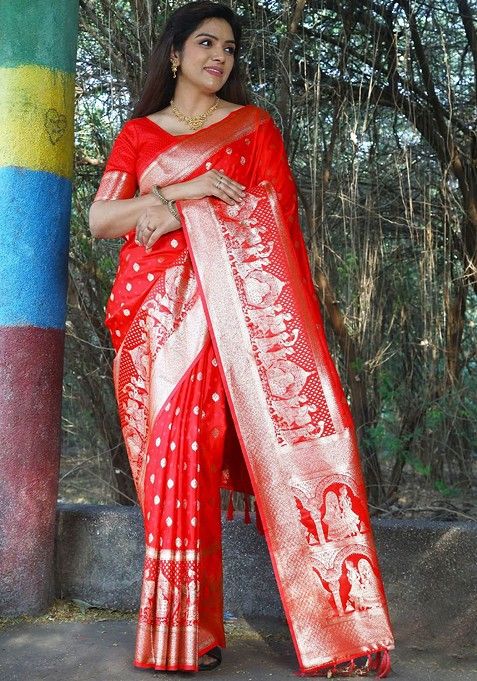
(111, 219)
(211, 183)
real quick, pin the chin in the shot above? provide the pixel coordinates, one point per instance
(213, 84)
(211, 89)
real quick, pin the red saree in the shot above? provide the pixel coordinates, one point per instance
(223, 378)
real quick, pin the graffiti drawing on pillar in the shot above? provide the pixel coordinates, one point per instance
(350, 579)
(55, 124)
(329, 508)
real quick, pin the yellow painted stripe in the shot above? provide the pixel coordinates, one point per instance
(36, 119)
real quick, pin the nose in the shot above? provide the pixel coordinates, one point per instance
(219, 55)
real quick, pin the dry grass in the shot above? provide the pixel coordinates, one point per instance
(68, 611)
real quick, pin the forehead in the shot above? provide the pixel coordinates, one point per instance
(217, 27)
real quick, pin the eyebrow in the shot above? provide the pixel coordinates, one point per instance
(209, 35)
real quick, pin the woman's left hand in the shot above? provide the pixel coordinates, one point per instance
(153, 223)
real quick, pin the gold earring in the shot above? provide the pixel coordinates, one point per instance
(174, 68)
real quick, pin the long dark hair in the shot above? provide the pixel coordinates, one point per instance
(159, 87)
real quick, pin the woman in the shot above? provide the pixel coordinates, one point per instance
(222, 373)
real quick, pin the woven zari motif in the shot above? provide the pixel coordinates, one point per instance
(298, 437)
(290, 380)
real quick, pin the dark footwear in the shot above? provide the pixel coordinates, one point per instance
(359, 666)
(379, 662)
(216, 653)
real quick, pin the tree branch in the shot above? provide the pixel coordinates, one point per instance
(468, 22)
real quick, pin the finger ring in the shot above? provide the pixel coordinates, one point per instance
(217, 184)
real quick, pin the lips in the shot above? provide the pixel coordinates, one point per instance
(214, 71)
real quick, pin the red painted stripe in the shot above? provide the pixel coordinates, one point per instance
(31, 367)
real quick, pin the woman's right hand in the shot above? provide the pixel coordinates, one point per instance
(213, 183)
(153, 223)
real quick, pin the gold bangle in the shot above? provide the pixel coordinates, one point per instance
(172, 207)
(156, 190)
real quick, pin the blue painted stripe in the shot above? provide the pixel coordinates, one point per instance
(34, 241)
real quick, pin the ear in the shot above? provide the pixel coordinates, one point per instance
(174, 55)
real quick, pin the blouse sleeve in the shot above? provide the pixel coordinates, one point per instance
(119, 180)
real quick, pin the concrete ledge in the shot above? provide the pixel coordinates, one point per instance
(429, 570)
(99, 553)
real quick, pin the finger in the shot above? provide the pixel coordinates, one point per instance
(151, 239)
(225, 197)
(139, 229)
(219, 188)
(148, 234)
(232, 188)
(234, 194)
(237, 196)
(228, 180)
(143, 222)
(233, 184)
(148, 240)
(146, 228)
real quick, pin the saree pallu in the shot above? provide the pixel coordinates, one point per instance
(223, 378)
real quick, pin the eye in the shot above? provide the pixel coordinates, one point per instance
(207, 42)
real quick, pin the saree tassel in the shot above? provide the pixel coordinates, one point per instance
(246, 517)
(384, 664)
(230, 507)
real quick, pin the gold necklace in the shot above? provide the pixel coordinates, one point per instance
(194, 122)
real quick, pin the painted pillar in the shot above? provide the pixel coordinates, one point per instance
(37, 62)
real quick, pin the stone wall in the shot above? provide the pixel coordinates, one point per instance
(429, 570)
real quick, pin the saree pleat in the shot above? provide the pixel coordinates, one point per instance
(179, 619)
(174, 418)
(224, 379)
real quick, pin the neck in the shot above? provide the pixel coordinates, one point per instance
(192, 101)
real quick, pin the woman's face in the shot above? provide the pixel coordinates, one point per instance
(207, 57)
